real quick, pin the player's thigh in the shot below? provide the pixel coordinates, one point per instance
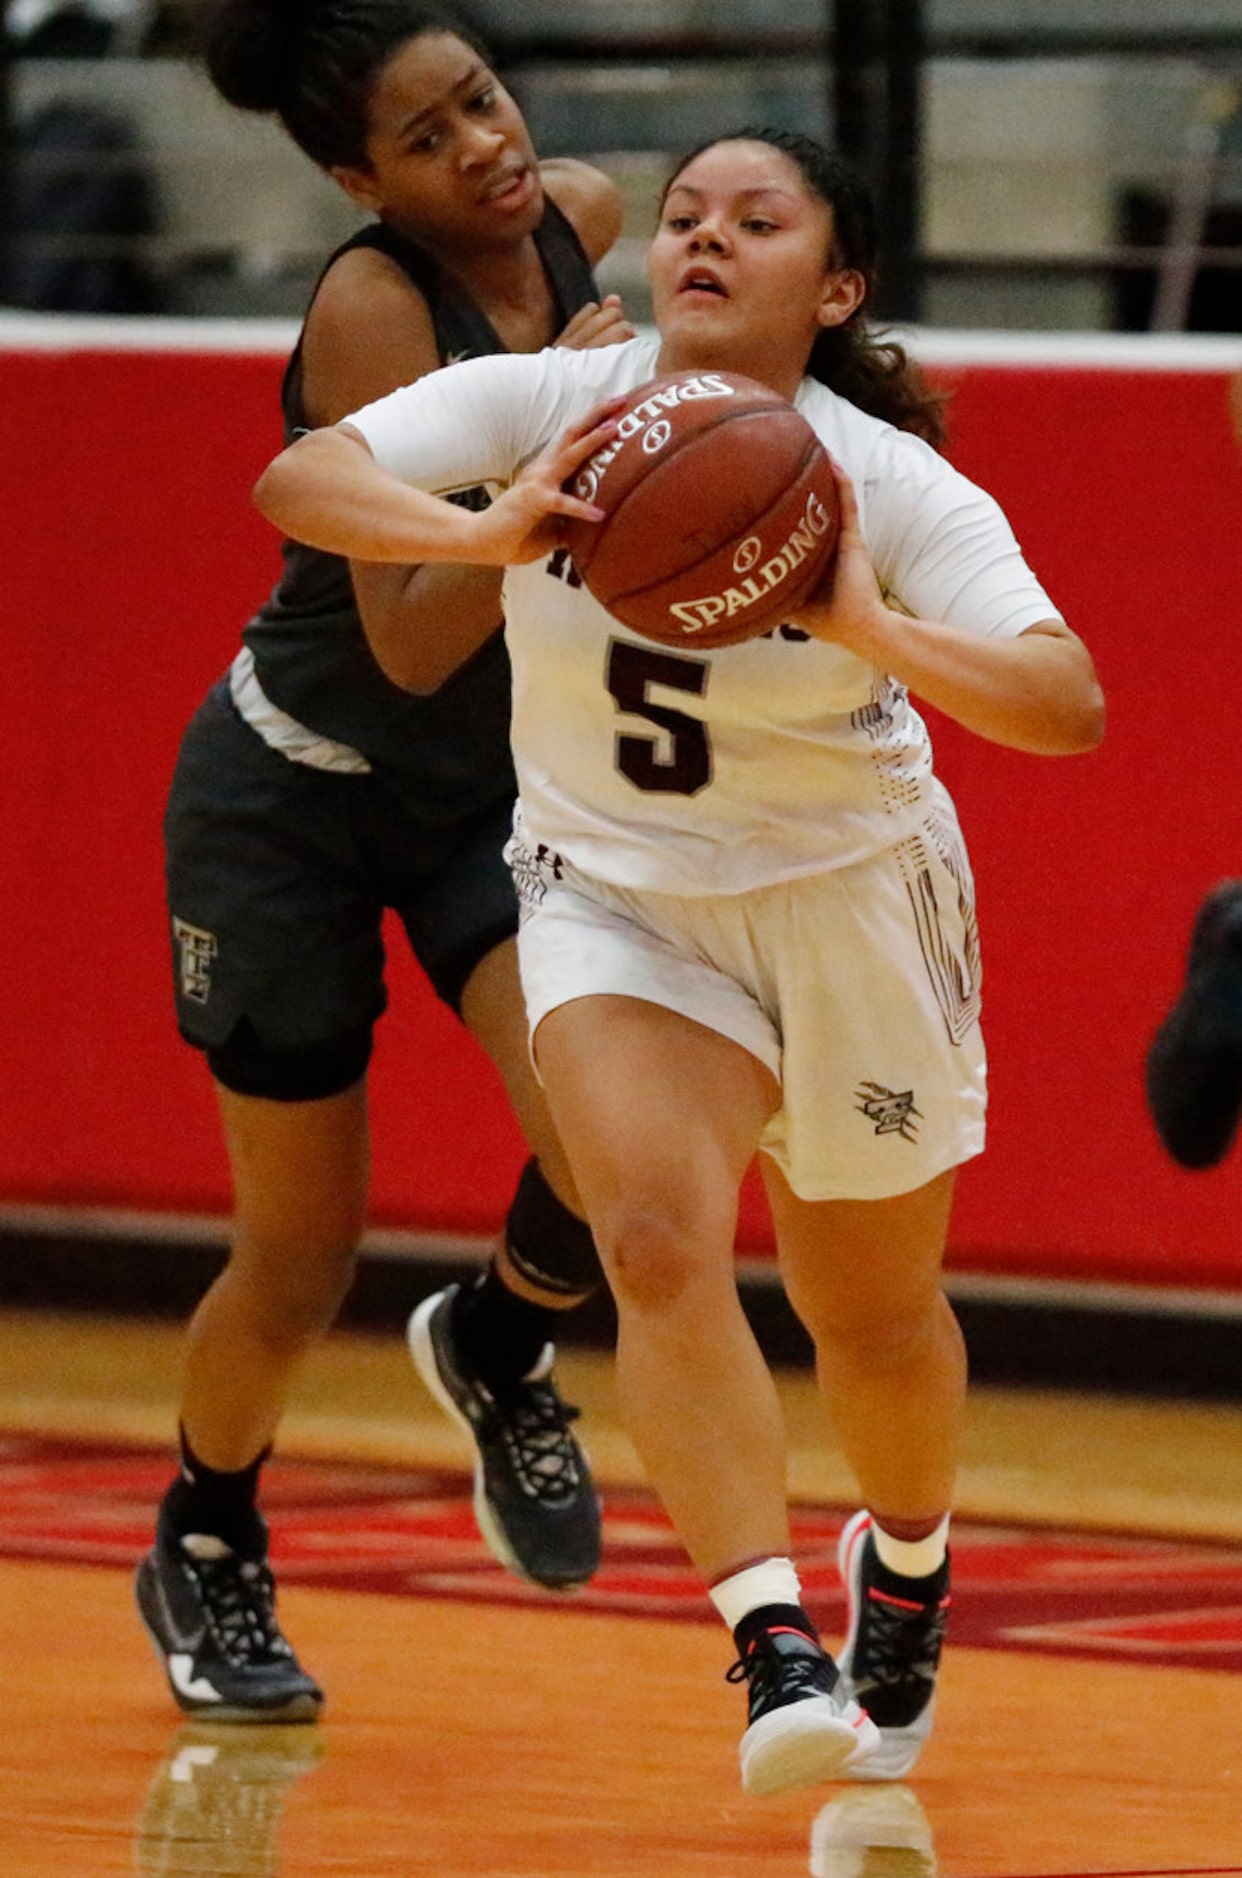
(276, 930)
(493, 1010)
(461, 920)
(659, 1115)
(660, 1069)
(884, 1067)
(861, 1266)
(451, 887)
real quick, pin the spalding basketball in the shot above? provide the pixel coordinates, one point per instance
(720, 511)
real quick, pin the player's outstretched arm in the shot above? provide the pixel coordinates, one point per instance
(327, 490)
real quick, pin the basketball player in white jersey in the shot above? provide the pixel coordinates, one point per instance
(748, 913)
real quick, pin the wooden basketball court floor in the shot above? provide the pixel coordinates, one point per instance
(1089, 1722)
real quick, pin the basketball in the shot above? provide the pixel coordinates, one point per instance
(720, 511)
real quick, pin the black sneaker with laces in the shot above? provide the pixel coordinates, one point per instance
(534, 1498)
(892, 1649)
(804, 1726)
(1194, 1061)
(211, 1616)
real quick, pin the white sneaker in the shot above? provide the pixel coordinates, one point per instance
(803, 1725)
(891, 1651)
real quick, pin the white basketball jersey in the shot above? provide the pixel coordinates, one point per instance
(687, 771)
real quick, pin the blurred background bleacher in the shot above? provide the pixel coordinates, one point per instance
(1041, 164)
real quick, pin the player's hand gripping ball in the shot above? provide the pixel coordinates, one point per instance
(720, 511)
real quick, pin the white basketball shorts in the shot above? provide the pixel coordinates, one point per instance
(858, 988)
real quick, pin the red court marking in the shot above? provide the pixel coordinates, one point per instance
(410, 1532)
(1159, 1871)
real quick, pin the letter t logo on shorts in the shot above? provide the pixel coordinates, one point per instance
(197, 949)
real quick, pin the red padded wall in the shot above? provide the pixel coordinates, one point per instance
(132, 558)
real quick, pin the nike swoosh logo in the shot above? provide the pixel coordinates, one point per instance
(197, 1688)
(187, 1640)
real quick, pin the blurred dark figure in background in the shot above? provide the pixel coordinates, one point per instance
(1194, 1064)
(78, 29)
(83, 202)
(82, 193)
(1194, 1061)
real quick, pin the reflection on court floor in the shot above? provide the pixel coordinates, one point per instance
(216, 1801)
(215, 1806)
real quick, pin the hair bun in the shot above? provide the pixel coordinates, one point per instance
(249, 47)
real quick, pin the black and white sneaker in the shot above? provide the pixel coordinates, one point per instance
(892, 1649)
(804, 1726)
(1194, 1062)
(534, 1498)
(211, 1616)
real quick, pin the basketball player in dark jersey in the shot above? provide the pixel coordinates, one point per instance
(311, 794)
(1193, 1067)
(1194, 1060)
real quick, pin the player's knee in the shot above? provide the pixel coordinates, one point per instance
(294, 1292)
(548, 1246)
(655, 1258)
(891, 1336)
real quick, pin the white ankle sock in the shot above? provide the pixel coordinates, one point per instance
(912, 1558)
(772, 1581)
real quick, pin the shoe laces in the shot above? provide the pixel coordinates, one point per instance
(533, 1423)
(776, 1677)
(238, 1596)
(899, 1643)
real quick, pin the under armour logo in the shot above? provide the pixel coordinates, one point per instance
(892, 1111)
(533, 870)
(197, 949)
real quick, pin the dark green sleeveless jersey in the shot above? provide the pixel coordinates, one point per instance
(451, 749)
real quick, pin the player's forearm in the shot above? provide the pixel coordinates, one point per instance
(423, 623)
(328, 491)
(1037, 692)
